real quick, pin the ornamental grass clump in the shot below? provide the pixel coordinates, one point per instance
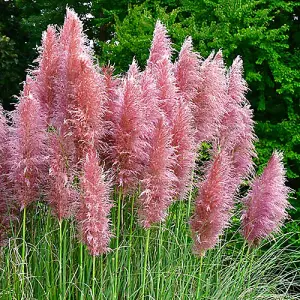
(76, 122)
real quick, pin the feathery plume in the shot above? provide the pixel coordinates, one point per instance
(213, 204)
(128, 153)
(95, 206)
(209, 103)
(61, 196)
(185, 147)
(187, 70)
(237, 86)
(162, 69)
(161, 45)
(7, 205)
(158, 181)
(236, 133)
(80, 95)
(111, 87)
(27, 145)
(45, 74)
(87, 112)
(266, 203)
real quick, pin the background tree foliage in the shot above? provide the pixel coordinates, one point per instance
(266, 33)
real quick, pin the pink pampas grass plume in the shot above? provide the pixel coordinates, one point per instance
(213, 205)
(187, 70)
(161, 45)
(86, 113)
(128, 153)
(7, 205)
(74, 53)
(184, 144)
(210, 101)
(60, 194)
(93, 213)
(158, 182)
(236, 133)
(149, 98)
(162, 69)
(45, 74)
(80, 87)
(111, 88)
(237, 86)
(267, 202)
(27, 147)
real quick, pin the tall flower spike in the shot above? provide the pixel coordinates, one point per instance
(187, 70)
(128, 153)
(210, 101)
(213, 205)
(73, 49)
(45, 74)
(162, 69)
(27, 145)
(237, 86)
(184, 144)
(267, 202)
(161, 45)
(158, 181)
(93, 214)
(81, 89)
(236, 133)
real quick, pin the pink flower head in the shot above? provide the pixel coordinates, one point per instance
(128, 153)
(87, 110)
(110, 105)
(74, 58)
(266, 203)
(7, 205)
(158, 181)
(237, 86)
(149, 98)
(93, 214)
(184, 144)
(210, 101)
(45, 74)
(187, 70)
(27, 145)
(80, 88)
(61, 196)
(161, 45)
(236, 134)
(213, 204)
(162, 69)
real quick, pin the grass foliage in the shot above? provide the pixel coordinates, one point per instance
(143, 264)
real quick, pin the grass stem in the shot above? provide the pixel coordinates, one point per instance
(145, 263)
